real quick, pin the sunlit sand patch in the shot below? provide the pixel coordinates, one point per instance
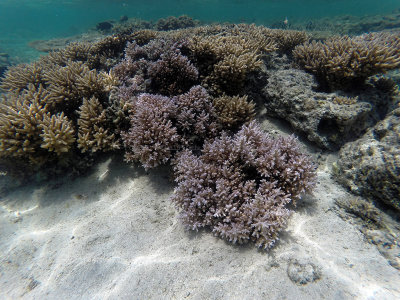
(363, 285)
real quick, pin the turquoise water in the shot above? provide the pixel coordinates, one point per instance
(23, 21)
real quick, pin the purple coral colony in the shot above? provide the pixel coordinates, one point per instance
(190, 98)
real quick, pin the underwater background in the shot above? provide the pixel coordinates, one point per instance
(147, 148)
(26, 20)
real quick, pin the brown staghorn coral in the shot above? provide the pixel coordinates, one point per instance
(240, 186)
(29, 132)
(225, 59)
(343, 62)
(72, 52)
(92, 123)
(19, 127)
(57, 133)
(21, 76)
(234, 111)
(62, 83)
(142, 37)
(103, 54)
(68, 85)
(43, 111)
(287, 40)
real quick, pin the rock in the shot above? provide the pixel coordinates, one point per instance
(104, 26)
(388, 245)
(370, 166)
(290, 95)
(123, 18)
(303, 272)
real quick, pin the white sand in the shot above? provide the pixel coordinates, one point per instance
(114, 234)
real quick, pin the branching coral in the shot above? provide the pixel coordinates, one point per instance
(234, 111)
(240, 186)
(287, 40)
(57, 133)
(225, 59)
(195, 117)
(158, 67)
(341, 62)
(172, 74)
(160, 126)
(19, 126)
(68, 85)
(104, 53)
(72, 52)
(21, 76)
(39, 114)
(93, 134)
(29, 132)
(142, 37)
(152, 137)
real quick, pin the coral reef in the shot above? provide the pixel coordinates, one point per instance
(370, 166)
(345, 62)
(87, 99)
(68, 85)
(240, 186)
(196, 118)
(104, 54)
(142, 37)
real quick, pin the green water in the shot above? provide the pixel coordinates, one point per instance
(22, 21)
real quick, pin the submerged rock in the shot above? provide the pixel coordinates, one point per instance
(370, 166)
(104, 26)
(327, 119)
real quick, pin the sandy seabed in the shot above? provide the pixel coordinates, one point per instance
(114, 234)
